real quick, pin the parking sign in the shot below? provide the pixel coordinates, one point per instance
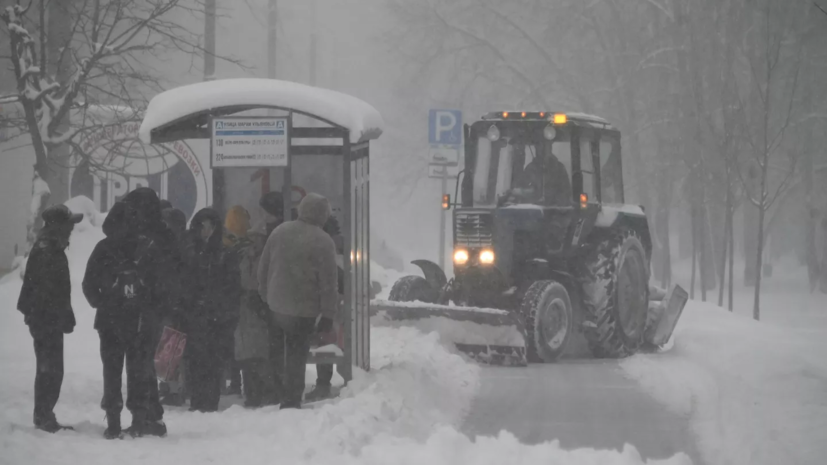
(445, 127)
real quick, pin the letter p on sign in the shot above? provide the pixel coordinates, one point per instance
(445, 127)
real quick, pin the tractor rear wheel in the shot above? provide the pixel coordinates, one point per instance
(546, 310)
(616, 296)
(413, 288)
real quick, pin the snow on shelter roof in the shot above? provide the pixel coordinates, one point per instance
(227, 96)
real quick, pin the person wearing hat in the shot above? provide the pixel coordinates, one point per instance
(46, 303)
(273, 205)
(297, 279)
(252, 337)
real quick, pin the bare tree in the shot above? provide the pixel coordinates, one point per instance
(773, 52)
(75, 57)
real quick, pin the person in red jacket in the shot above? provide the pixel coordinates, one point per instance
(46, 303)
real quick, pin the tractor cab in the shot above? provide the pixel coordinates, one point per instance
(543, 159)
(533, 187)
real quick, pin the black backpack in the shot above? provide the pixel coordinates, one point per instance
(130, 290)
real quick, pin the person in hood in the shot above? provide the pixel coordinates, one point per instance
(123, 283)
(173, 392)
(46, 303)
(212, 294)
(252, 335)
(324, 371)
(236, 225)
(273, 205)
(297, 278)
(149, 223)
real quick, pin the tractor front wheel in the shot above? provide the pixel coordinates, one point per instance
(546, 309)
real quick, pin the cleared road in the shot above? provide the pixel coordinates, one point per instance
(583, 403)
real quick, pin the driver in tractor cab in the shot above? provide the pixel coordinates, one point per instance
(549, 173)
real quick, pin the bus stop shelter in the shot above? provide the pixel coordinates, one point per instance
(275, 135)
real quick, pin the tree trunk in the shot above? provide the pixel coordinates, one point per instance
(750, 238)
(694, 255)
(756, 309)
(731, 215)
(725, 243)
(723, 254)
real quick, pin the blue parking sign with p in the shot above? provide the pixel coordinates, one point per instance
(445, 127)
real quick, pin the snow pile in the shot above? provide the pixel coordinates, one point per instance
(362, 119)
(86, 206)
(404, 411)
(754, 391)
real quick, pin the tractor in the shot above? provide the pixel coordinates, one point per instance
(542, 232)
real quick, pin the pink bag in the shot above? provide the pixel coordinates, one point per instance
(169, 353)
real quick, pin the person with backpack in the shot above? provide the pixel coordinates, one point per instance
(211, 295)
(122, 284)
(46, 304)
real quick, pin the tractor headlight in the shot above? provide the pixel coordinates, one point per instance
(461, 257)
(493, 133)
(487, 257)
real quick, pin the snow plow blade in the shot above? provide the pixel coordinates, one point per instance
(489, 336)
(664, 315)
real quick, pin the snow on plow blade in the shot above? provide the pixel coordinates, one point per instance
(489, 336)
(664, 315)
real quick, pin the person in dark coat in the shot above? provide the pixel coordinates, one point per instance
(273, 205)
(46, 303)
(212, 294)
(125, 282)
(173, 392)
(297, 278)
(324, 371)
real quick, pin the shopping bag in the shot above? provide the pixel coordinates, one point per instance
(169, 353)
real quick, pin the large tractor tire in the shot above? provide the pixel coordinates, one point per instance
(616, 296)
(547, 312)
(413, 288)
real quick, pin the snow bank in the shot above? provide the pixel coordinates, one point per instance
(86, 206)
(754, 391)
(405, 411)
(362, 119)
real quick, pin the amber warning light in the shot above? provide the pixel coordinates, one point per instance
(560, 118)
(584, 200)
(446, 201)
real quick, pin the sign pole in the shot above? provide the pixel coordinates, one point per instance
(442, 218)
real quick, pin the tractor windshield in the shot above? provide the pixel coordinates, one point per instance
(517, 170)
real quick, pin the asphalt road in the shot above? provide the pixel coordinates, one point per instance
(583, 403)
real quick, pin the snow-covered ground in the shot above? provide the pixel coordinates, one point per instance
(754, 391)
(405, 411)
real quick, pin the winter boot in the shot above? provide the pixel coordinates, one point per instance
(113, 426)
(48, 423)
(155, 428)
(136, 430)
(318, 393)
